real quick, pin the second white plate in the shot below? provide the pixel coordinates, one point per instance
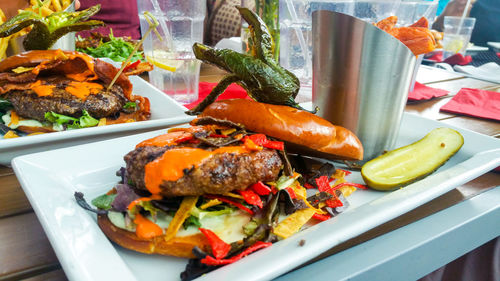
(164, 112)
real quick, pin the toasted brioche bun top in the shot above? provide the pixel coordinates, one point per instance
(304, 132)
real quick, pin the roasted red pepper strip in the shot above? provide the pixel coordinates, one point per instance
(261, 140)
(260, 188)
(308, 186)
(291, 192)
(132, 65)
(225, 200)
(251, 197)
(278, 145)
(219, 247)
(217, 136)
(321, 217)
(258, 139)
(209, 260)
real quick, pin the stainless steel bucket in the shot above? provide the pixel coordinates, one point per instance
(361, 77)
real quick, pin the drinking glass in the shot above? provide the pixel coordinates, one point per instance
(177, 70)
(456, 35)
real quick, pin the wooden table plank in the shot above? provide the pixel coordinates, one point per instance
(453, 86)
(24, 245)
(55, 275)
(430, 108)
(483, 126)
(12, 198)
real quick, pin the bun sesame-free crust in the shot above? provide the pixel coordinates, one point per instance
(304, 132)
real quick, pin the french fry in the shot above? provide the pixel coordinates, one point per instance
(56, 5)
(46, 11)
(65, 3)
(2, 17)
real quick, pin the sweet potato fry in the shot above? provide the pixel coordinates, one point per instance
(422, 22)
(387, 24)
(417, 37)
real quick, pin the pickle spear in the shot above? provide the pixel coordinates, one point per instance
(407, 164)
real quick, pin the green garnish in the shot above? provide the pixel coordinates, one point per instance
(104, 201)
(130, 104)
(5, 106)
(72, 123)
(191, 220)
(116, 49)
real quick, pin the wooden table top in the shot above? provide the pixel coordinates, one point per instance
(25, 252)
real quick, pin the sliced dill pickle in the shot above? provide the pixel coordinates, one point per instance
(407, 164)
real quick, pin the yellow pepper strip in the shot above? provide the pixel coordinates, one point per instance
(14, 118)
(102, 122)
(234, 195)
(227, 132)
(35, 133)
(210, 203)
(188, 203)
(10, 135)
(293, 223)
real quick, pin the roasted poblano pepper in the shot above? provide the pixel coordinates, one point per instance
(263, 78)
(47, 30)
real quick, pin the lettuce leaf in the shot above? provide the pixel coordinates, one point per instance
(72, 123)
(104, 201)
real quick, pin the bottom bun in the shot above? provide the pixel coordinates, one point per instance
(177, 246)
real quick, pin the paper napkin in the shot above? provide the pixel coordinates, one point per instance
(423, 92)
(475, 102)
(234, 91)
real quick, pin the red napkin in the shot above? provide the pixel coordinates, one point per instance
(475, 102)
(423, 92)
(453, 60)
(234, 91)
(458, 59)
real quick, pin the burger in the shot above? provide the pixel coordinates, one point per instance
(226, 186)
(54, 90)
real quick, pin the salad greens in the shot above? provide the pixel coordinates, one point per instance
(116, 49)
(72, 123)
(104, 201)
(5, 106)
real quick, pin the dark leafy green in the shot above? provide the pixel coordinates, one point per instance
(191, 220)
(116, 49)
(104, 201)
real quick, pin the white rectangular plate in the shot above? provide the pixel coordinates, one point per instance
(164, 112)
(49, 180)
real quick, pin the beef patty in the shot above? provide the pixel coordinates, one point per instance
(218, 175)
(29, 105)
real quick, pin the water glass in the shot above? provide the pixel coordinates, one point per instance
(295, 25)
(456, 35)
(177, 70)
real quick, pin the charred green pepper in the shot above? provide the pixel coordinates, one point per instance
(263, 78)
(47, 30)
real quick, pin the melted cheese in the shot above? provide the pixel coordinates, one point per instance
(42, 90)
(82, 90)
(171, 165)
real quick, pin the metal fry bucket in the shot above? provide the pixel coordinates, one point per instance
(361, 78)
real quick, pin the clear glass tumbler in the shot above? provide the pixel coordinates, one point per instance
(456, 35)
(177, 70)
